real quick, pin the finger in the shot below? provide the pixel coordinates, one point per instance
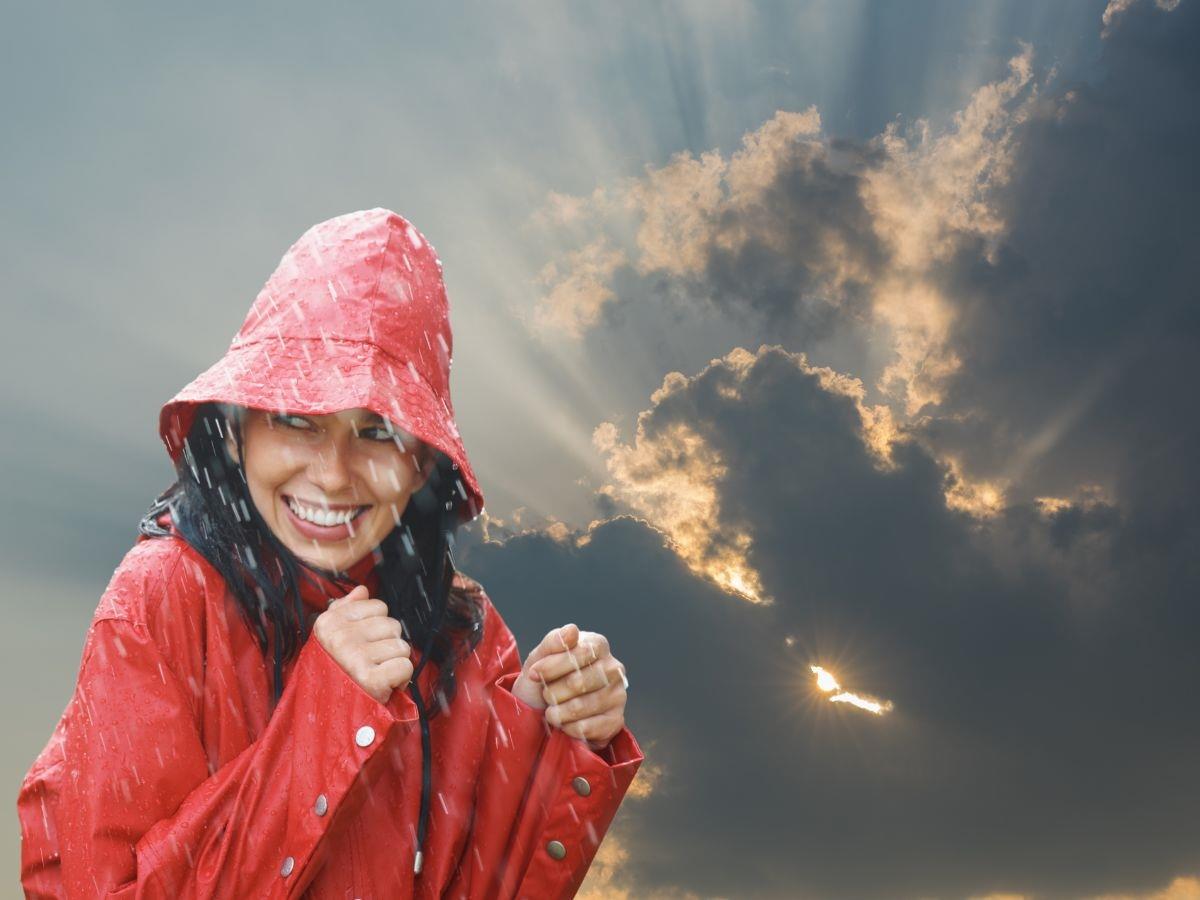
(395, 672)
(555, 641)
(360, 592)
(589, 678)
(361, 609)
(584, 706)
(590, 648)
(389, 648)
(600, 729)
(379, 628)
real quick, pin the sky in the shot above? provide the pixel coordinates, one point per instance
(846, 334)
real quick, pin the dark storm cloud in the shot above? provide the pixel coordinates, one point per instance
(780, 268)
(1082, 343)
(1042, 661)
(1042, 664)
(1035, 746)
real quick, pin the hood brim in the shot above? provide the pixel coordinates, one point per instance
(321, 376)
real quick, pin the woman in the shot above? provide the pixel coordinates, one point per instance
(287, 689)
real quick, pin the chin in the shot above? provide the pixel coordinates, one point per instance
(339, 558)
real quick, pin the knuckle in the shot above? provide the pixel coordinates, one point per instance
(577, 707)
(332, 639)
(363, 609)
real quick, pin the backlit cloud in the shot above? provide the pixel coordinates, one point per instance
(669, 474)
(795, 224)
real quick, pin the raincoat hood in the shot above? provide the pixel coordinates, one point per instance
(355, 315)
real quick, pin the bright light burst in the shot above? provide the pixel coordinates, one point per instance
(825, 680)
(828, 683)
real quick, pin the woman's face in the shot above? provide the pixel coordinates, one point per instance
(332, 486)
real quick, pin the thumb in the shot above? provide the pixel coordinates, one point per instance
(360, 592)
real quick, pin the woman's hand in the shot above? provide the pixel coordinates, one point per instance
(573, 675)
(367, 643)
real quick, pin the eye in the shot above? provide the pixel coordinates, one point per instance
(290, 421)
(376, 433)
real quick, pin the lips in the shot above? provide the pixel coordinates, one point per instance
(339, 532)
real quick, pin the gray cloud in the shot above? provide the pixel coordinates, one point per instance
(1040, 657)
(1034, 747)
(1080, 344)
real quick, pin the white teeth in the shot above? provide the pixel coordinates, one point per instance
(325, 517)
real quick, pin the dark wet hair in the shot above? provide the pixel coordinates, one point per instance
(211, 507)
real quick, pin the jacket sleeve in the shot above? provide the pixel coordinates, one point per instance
(122, 803)
(544, 799)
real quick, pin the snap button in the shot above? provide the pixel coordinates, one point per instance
(556, 849)
(365, 736)
(582, 788)
(286, 869)
(321, 806)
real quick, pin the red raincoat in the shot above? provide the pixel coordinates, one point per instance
(168, 774)
(166, 778)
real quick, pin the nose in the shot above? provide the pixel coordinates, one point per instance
(330, 469)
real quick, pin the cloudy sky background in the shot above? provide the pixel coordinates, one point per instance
(857, 334)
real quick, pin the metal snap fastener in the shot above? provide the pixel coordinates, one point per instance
(556, 849)
(286, 869)
(365, 736)
(582, 788)
(321, 806)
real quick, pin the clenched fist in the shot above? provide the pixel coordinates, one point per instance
(573, 675)
(366, 642)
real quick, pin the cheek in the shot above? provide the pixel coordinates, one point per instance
(389, 476)
(268, 466)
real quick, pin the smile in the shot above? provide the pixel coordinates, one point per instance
(320, 523)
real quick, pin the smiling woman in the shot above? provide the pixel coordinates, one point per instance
(320, 478)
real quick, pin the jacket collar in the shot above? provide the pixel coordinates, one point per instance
(320, 586)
